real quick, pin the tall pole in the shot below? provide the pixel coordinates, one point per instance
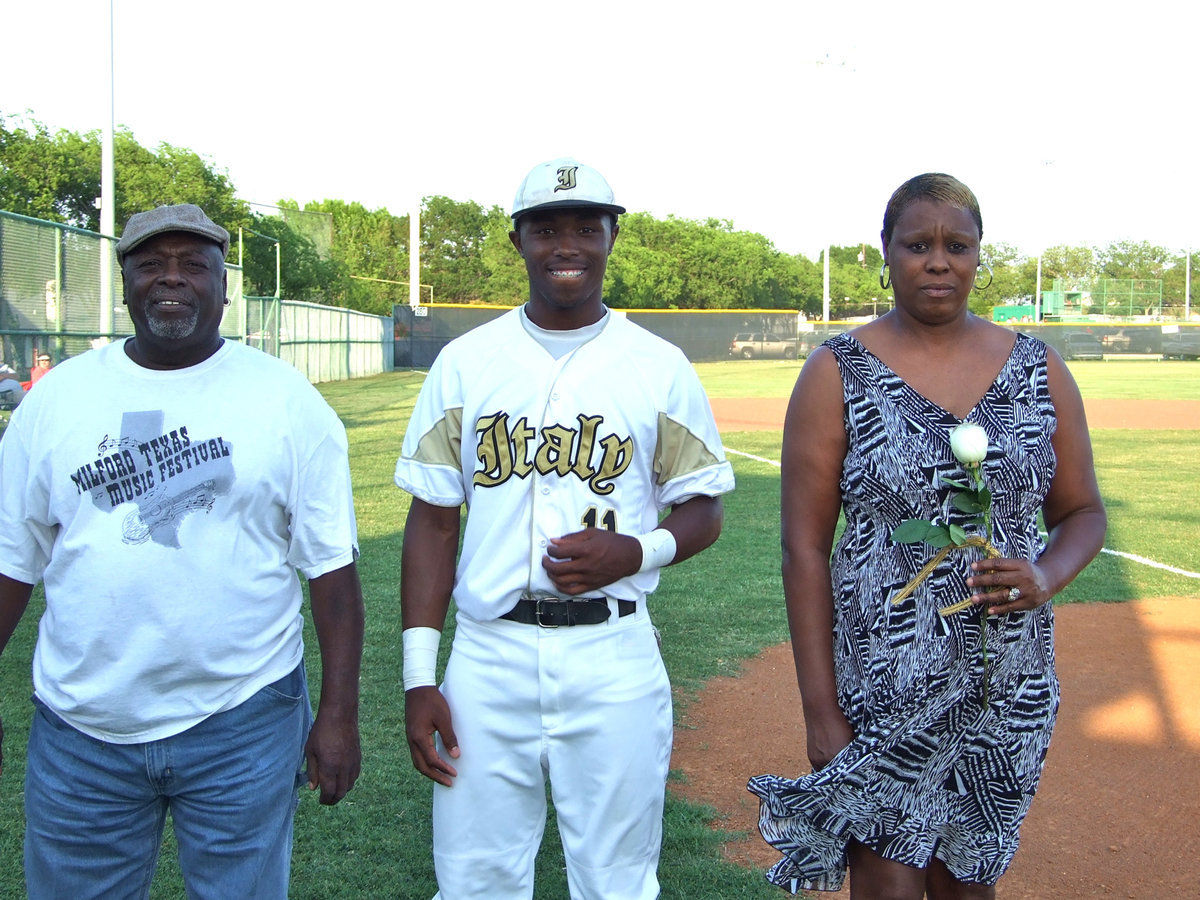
(1037, 294)
(108, 211)
(414, 256)
(825, 301)
(1187, 289)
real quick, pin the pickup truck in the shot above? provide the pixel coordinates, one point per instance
(758, 344)
(1183, 344)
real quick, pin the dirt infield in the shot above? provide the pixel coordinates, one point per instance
(1118, 811)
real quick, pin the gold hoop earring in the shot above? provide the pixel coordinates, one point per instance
(885, 282)
(990, 277)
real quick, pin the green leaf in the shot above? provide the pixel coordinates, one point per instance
(940, 536)
(967, 502)
(958, 535)
(911, 531)
(961, 485)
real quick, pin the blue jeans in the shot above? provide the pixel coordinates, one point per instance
(94, 811)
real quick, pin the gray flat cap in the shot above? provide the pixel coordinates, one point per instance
(183, 217)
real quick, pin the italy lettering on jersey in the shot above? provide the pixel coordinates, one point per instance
(505, 451)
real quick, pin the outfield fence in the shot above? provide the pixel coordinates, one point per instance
(50, 302)
(709, 335)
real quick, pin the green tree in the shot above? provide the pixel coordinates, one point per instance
(1174, 282)
(369, 244)
(452, 238)
(1014, 279)
(506, 283)
(48, 176)
(1132, 260)
(304, 275)
(1075, 266)
(685, 264)
(145, 179)
(57, 177)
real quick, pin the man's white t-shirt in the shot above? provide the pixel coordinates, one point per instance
(167, 513)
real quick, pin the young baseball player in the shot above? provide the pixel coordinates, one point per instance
(566, 430)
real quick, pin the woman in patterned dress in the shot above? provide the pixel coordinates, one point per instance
(926, 732)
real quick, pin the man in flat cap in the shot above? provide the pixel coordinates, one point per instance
(167, 490)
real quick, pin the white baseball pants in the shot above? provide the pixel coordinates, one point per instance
(588, 707)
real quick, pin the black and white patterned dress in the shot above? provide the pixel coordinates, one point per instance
(942, 765)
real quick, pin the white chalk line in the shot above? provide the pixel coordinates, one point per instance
(761, 459)
(1149, 562)
(1132, 557)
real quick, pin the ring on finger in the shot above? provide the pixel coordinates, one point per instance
(1013, 594)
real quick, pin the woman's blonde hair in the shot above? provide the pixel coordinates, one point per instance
(934, 186)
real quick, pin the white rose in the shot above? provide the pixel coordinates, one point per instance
(969, 444)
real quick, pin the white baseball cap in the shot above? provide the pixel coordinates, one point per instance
(563, 182)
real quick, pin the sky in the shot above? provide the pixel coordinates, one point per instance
(1073, 123)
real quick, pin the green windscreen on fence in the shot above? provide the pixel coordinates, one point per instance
(746, 334)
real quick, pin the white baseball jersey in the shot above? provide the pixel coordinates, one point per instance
(607, 436)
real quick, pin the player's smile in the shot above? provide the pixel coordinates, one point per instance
(566, 252)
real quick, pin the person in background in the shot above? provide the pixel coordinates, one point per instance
(40, 368)
(11, 389)
(169, 518)
(927, 719)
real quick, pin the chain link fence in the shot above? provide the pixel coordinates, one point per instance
(50, 302)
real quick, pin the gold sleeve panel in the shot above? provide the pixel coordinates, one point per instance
(679, 451)
(441, 445)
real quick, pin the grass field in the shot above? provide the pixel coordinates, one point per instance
(714, 611)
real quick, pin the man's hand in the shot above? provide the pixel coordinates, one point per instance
(426, 712)
(591, 559)
(14, 597)
(334, 756)
(332, 750)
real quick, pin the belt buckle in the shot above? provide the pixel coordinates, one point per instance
(540, 598)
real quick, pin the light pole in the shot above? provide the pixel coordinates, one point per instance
(108, 203)
(825, 303)
(1187, 289)
(1037, 294)
(275, 241)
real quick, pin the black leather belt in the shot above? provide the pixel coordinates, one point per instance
(551, 611)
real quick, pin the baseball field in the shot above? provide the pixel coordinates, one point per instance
(1118, 810)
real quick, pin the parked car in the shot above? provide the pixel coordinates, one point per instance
(759, 344)
(1116, 340)
(1137, 339)
(1181, 344)
(1080, 345)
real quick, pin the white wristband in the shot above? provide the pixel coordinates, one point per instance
(420, 656)
(658, 549)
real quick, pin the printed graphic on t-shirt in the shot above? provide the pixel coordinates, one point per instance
(166, 475)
